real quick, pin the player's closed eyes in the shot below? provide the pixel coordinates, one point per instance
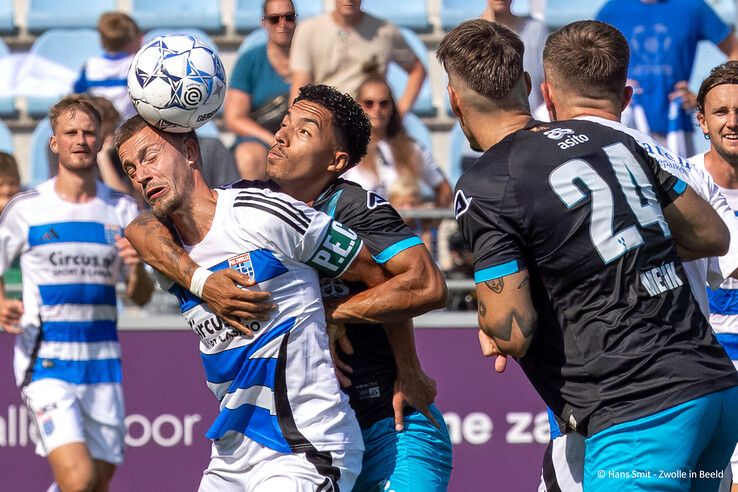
(274, 19)
(369, 103)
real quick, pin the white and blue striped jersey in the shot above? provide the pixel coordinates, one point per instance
(278, 388)
(107, 76)
(724, 299)
(70, 266)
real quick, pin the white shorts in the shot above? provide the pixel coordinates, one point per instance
(65, 413)
(252, 467)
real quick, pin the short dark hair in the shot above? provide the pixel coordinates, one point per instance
(351, 126)
(135, 124)
(589, 57)
(266, 2)
(727, 73)
(73, 103)
(487, 56)
(117, 30)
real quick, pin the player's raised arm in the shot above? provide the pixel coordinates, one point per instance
(156, 245)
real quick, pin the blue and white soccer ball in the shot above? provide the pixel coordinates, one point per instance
(176, 82)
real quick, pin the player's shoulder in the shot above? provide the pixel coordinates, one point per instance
(345, 199)
(263, 207)
(22, 201)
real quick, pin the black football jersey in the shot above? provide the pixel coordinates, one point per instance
(385, 234)
(578, 205)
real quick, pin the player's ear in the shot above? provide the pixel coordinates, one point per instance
(627, 96)
(548, 100)
(702, 123)
(192, 150)
(340, 162)
(528, 83)
(53, 145)
(453, 97)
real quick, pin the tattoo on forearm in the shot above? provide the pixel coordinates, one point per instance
(495, 285)
(523, 282)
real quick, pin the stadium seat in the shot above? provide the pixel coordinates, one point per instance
(397, 77)
(54, 61)
(417, 130)
(7, 18)
(66, 14)
(562, 12)
(454, 12)
(256, 38)
(195, 33)
(200, 14)
(460, 154)
(7, 103)
(39, 171)
(412, 14)
(247, 16)
(208, 130)
(6, 139)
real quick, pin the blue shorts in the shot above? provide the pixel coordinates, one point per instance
(416, 459)
(686, 447)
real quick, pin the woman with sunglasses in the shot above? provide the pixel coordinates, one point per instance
(392, 153)
(257, 98)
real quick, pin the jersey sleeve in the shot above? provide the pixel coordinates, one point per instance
(13, 235)
(668, 186)
(710, 26)
(379, 225)
(241, 77)
(299, 232)
(720, 268)
(488, 225)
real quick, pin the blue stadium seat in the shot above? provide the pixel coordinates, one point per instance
(562, 12)
(459, 154)
(248, 14)
(200, 14)
(454, 12)
(417, 130)
(256, 38)
(65, 47)
(208, 130)
(708, 57)
(7, 103)
(66, 14)
(7, 18)
(195, 33)
(39, 171)
(6, 139)
(397, 77)
(408, 13)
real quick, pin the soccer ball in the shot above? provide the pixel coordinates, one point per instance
(176, 82)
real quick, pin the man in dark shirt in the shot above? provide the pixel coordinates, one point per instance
(575, 232)
(323, 134)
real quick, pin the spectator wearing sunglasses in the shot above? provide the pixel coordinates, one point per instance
(392, 154)
(343, 48)
(257, 98)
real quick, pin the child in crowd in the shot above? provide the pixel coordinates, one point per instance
(106, 75)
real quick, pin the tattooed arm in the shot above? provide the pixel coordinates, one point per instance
(506, 313)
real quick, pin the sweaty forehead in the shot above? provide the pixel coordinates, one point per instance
(140, 140)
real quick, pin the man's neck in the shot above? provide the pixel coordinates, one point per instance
(723, 172)
(506, 18)
(194, 218)
(498, 127)
(76, 186)
(347, 20)
(307, 192)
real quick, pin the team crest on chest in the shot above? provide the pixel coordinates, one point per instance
(242, 264)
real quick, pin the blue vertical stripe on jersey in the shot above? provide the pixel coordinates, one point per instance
(553, 425)
(79, 331)
(95, 294)
(330, 207)
(396, 248)
(254, 422)
(723, 301)
(225, 366)
(679, 187)
(76, 232)
(729, 341)
(496, 271)
(78, 371)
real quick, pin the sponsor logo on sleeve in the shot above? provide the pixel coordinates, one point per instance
(461, 204)
(338, 248)
(373, 200)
